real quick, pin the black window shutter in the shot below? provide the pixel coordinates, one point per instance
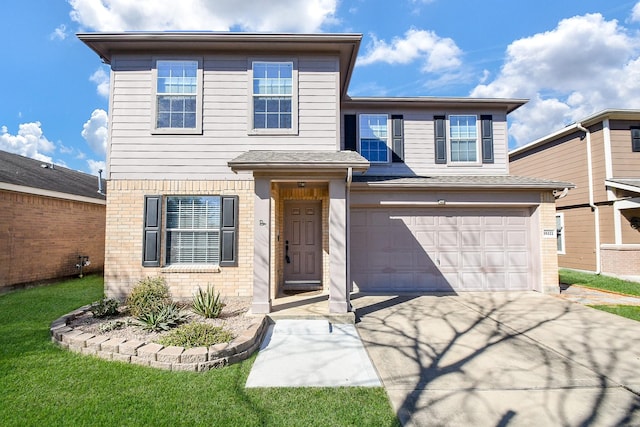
(151, 237)
(440, 139)
(397, 133)
(635, 139)
(229, 232)
(350, 137)
(487, 138)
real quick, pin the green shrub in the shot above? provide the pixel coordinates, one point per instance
(162, 318)
(149, 295)
(207, 303)
(196, 335)
(105, 307)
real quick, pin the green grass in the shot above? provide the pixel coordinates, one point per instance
(41, 384)
(597, 281)
(628, 311)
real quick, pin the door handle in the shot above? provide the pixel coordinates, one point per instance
(286, 252)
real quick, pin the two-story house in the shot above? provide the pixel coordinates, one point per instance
(239, 160)
(598, 223)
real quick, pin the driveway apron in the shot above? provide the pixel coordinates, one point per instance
(498, 359)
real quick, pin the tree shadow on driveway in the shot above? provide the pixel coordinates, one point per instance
(499, 359)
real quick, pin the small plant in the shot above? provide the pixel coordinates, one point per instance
(105, 307)
(196, 335)
(162, 319)
(149, 295)
(113, 325)
(207, 303)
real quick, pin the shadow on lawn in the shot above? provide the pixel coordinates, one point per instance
(477, 360)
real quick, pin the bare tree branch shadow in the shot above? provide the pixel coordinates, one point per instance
(466, 353)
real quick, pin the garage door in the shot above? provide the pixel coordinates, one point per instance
(431, 249)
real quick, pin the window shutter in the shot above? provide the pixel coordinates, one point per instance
(635, 139)
(229, 232)
(440, 139)
(487, 138)
(350, 138)
(151, 237)
(397, 134)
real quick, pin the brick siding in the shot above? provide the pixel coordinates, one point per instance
(41, 237)
(123, 262)
(620, 260)
(548, 247)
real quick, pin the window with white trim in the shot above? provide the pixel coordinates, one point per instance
(177, 103)
(560, 232)
(273, 95)
(463, 138)
(374, 137)
(193, 229)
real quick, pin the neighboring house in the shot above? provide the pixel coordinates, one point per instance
(598, 223)
(239, 160)
(49, 216)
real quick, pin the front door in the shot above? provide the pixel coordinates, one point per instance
(303, 245)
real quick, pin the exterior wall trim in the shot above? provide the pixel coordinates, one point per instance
(49, 193)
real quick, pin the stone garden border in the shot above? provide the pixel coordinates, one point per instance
(173, 358)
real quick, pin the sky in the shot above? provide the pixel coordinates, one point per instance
(570, 58)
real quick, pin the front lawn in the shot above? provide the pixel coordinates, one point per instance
(628, 311)
(597, 281)
(41, 384)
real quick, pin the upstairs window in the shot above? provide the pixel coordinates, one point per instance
(463, 139)
(177, 102)
(635, 139)
(374, 137)
(463, 133)
(273, 97)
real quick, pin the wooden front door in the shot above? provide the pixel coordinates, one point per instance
(303, 245)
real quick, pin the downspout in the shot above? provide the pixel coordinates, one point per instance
(594, 208)
(348, 233)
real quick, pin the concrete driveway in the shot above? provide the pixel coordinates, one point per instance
(502, 359)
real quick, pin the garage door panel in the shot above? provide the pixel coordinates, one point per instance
(439, 249)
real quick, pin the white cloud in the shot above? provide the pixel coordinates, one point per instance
(437, 53)
(584, 65)
(59, 33)
(220, 15)
(30, 141)
(94, 131)
(101, 79)
(635, 13)
(95, 166)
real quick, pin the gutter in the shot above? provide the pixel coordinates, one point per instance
(594, 208)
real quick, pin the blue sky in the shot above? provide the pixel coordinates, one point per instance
(571, 58)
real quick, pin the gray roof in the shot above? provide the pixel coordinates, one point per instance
(443, 103)
(256, 159)
(634, 183)
(463, 181)
(26, 172)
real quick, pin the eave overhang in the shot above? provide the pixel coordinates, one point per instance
(442, 103)
(346, 46)
(299, 161)
(458, 182)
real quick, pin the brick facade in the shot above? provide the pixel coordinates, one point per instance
(41, 237)
(620, 260)
(123, 259)
(548, 247)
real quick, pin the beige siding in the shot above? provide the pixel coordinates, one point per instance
(630, 235)
(137, 154)
(419, 144)
(626, 163)
(607, 229)
(579, 240)
(598, 162)
(565, 159)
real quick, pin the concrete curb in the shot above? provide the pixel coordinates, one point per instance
(172, 358)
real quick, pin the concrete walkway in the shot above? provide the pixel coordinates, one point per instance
(498, 359)
(589, 296)
(312, 353)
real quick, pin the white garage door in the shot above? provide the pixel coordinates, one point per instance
(445, 249)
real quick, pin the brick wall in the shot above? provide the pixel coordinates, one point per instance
(41, 237)
(548, 247)
(123, 262)
(620, 260)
